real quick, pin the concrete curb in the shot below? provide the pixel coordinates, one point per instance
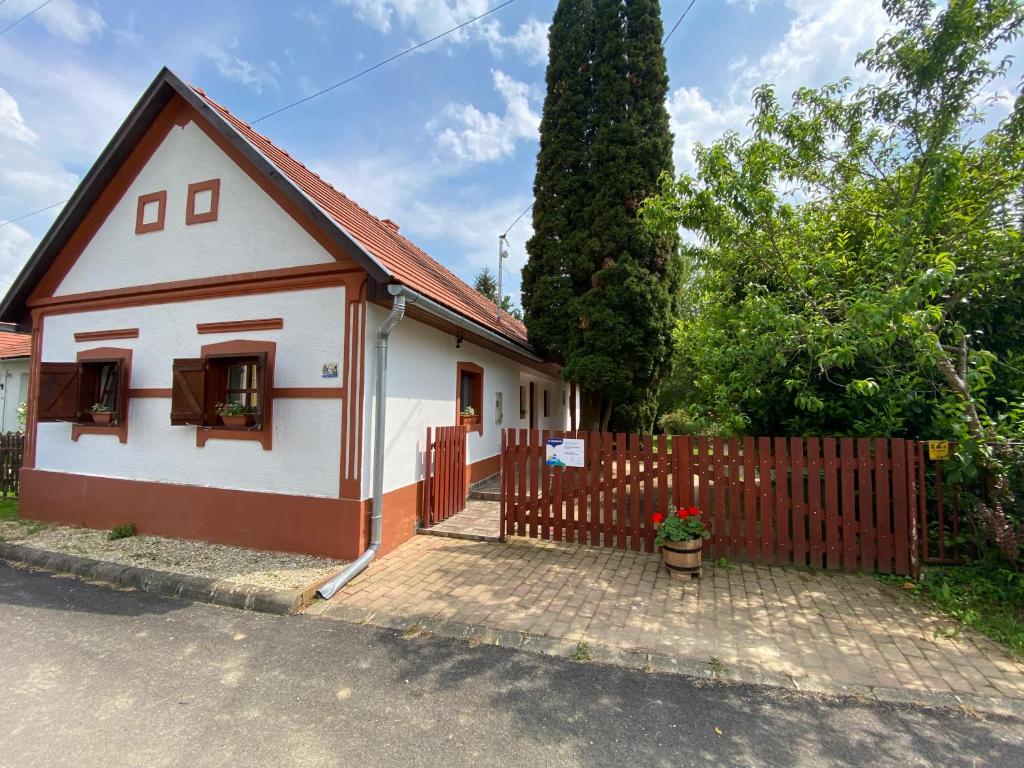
(639, 659)
(199, 589)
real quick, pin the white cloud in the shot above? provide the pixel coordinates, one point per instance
(12, 124)
(16, 246)
(240, 70)
(530, 40)
(53, 122)
(64, 18)
(424, 19)
(480, 136)
(695, 119)
(820, 46)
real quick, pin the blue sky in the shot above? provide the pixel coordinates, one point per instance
(443, 141)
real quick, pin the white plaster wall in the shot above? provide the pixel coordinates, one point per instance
(421, 393)
(13, 377)
(251, 233)
(307, 432)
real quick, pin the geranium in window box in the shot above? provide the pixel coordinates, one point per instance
(681, 538)
(101, 413)
(467, 416)
(234, 414)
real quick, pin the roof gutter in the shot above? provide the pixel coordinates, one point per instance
(442, 312)
(400, 295)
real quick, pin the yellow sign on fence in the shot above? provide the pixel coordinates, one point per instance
(938, 450)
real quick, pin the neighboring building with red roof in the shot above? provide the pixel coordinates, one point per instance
(197, 264)
(14, 362)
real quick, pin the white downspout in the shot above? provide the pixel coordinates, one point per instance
(353, 569)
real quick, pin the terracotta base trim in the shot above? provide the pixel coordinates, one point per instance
(116, 333)
(280, 522)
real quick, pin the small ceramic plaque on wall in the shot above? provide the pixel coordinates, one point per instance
(498, 400)
(330, 371)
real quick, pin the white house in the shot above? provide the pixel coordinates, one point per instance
(14, 356)
(198, 264)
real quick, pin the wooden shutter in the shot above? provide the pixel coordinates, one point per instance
(262, 385)
(188, 388)
(123, 385)
(58, 392)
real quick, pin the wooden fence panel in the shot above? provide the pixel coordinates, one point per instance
(12, 453)
(799, 550)
(750, 498)
(444, 475)
(855, 504)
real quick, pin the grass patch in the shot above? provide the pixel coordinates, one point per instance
(8, 509)
(985, 596)
(581, 652)
(121, 532)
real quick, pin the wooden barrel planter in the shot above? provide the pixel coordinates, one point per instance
(682, 558)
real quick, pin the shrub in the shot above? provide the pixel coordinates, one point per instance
(121, 532)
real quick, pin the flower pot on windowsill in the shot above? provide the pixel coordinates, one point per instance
(468, 421)
(237, 420)
(682, 558)
(102, 417)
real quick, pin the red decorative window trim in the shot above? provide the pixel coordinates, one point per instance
(213, 187)
(114, 333)
(121, 428)
(160, 198)
(240, 348)
(475, 422)
(237, 326)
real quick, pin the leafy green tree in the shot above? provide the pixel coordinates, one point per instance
(600, 292)
(486, 285)
(853, 251)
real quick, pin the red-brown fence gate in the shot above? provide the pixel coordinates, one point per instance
(444, 474)
(850, 503)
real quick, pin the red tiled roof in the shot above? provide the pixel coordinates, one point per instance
(410, 265)
(15, 345)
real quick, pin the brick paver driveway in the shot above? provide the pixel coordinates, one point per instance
(824, 630)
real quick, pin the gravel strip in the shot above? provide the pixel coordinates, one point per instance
(251, 567)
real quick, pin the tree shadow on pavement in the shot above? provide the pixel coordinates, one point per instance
(609, 715)
(37, 588)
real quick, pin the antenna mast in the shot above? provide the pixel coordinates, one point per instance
(502, 255)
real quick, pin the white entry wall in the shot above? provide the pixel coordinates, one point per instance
(422, 381)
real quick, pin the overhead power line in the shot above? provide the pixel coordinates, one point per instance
(670, 32)
(347, 80)
(33, 213)
(517, 219)
(680, 21)
(380, 64)
(30, 13)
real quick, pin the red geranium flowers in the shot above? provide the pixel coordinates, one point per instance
(684, 525)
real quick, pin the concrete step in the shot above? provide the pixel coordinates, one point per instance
(485, 495)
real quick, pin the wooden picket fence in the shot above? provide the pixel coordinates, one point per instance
(444, 475)
(12, 451)
(850, 503)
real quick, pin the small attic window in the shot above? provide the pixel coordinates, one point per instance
(150, 212)
(203, 202)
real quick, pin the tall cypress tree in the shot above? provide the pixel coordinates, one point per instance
(561, 186)
(622, 344)
(600, 292)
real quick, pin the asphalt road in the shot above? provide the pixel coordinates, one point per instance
(94, 676)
